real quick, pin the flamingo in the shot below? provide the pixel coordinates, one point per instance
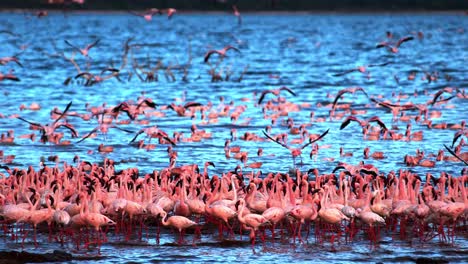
(275, 92)
(48, 130)
(364, 123)
(221, 52)
(170, 12)
(394, 48)
(179, 222)
(9, 76)
(84, 51)
(6, 60)
(295, 152)
(361, 69)
(351, 90)
(148, 14)
(251, 221)
(237, 14)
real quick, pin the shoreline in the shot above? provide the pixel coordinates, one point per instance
(262, 12)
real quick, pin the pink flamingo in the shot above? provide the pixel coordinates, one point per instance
(275, 92)
(179, 222)
(394, 48)
(221, 52)
(295, 152)
(84, 51)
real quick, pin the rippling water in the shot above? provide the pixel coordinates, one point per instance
(300, 51)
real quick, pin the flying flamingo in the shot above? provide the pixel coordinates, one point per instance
(348, 90)
(363, 123)
(394, 48)
(154, 132)
(48, 130)
(9, 76)
(92, 79)
(84, 51)
(221, 52)
(295, 152)
(148, 14)
(275, 92)
(361, 69)
(6, 60)
(179, 222)
(104, 128)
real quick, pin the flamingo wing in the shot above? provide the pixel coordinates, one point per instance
(93, 44)
(231, 47)
(315, 140)
(88, 135)
(284, 88)
(348, 120)
(208, 54)
(272, 139)
(137, 134)
(69, 127)
(377, 119)
(262, 96)
(404, 40)
(63, 113)
(73, 46)
(455, 155)
(31, 123)
(344, 72)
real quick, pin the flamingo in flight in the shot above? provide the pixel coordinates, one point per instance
(9, 76)
(275, 92)
(84, 51)
(361, 69)
(394, 48)
(6, 60)
(348, 90)
(148, 14)
(221, 52)
(48, 130)
(295, 152)
(363, 123)
(92, 79)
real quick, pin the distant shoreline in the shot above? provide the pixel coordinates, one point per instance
(261, 12)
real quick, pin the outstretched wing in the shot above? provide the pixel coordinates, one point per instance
(348, 120)
(455, 155)
(73, 46)
(404, 40)
(315, 140)
(208, 54)
(69, 127)
(262, 96)
(93, 44)
(88, 135)
(284, 88)
(63, 113)
(31, 123)
(344, 72)
(377, 119)
(274, 140)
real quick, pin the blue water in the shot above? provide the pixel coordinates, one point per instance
(300, 51)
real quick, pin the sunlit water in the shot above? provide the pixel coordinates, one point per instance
(300, 51)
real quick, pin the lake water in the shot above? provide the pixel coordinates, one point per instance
(300, 51)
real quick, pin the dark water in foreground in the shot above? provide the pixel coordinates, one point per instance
(299, 51)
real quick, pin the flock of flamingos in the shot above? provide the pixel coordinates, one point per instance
(83, 202)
